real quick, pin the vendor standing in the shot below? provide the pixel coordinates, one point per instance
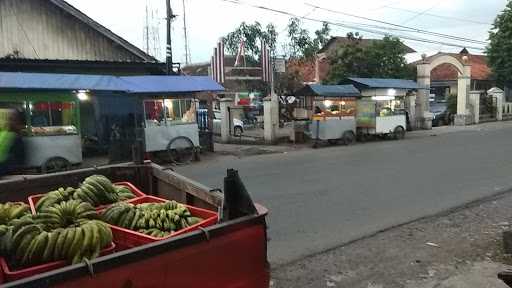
(12, 151)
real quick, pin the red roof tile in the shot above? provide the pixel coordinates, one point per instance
(479, 68)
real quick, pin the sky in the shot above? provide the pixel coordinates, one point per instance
(208, 20)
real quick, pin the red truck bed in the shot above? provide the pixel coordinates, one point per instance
(230, 254)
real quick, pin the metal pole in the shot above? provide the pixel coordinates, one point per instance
(187, 51)
(169, 47)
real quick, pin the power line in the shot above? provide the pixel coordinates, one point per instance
(439, 16)
(416, 15)
(354, 27)
(412, 29)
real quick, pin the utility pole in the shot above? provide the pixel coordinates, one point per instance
(146, 30)
(187, 51)
(170, 17)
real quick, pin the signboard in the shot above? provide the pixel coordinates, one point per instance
(366, 114)
(280, 65)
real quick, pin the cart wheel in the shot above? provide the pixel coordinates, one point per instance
(362, 137)
(181, 150)
(55, 164)
(399, 133)
(349, 138)
(238, 131)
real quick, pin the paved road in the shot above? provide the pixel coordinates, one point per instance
(320, 199)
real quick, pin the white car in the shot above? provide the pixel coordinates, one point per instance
(238, 125)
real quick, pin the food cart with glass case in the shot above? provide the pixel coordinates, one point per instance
(381, 115)
(170, 105)
(51, 135)
(333, 112)
(170, 125)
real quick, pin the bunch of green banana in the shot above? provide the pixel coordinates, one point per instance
(151, 218)
(124, 193)
(55, 197)
(32, 244)
(97, 190)
(65, 214)
(12, 210)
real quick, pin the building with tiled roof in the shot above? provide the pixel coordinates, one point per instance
(443, 78)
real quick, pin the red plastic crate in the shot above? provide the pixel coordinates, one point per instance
(126, 238)
(32, 200)
(12, 275)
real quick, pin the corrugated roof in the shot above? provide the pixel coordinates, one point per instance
(384, 83)
(329, 90)
(103, 30)
(128, 84)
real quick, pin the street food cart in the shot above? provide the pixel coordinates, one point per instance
(333, 112)
(51, 136)
(170, 106)
(381, 110)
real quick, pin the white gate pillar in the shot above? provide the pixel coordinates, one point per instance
(269, 122)
(423, 115)
(500, 100)
(474, 102)
(463, 86)
(225, 103)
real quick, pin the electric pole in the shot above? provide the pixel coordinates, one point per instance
(170, 17)
(187, 51)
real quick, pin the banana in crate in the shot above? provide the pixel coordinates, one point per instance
(96, 190)
(153, 219)
(70, 230)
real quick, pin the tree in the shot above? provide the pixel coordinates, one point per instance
(251, 34)
(499, 51)
(301, 45)
(380, 59)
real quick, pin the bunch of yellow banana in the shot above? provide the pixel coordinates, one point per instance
(32, 244)
(96, 190)
(12, 210)
(154, 219)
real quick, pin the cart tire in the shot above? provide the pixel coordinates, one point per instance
(349, 138)
(362, 137)
(238, 131)
(399, 133)
(181, 150)
(55, 164)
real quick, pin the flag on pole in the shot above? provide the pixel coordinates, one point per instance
(266, 62)
(240, 55)
(217, 62)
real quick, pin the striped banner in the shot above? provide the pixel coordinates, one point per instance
(266, 63)
(217, 62)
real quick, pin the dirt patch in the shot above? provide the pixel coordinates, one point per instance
(442, 251)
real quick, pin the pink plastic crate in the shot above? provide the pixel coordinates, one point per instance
(126, 238)
(12, 275)
(32, 200)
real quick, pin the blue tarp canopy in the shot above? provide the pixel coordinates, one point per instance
(128, 84)
(49, 81)
(329, 90)
(170, 84)
(373, 83)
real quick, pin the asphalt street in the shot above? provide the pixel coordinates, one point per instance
(320, 199)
